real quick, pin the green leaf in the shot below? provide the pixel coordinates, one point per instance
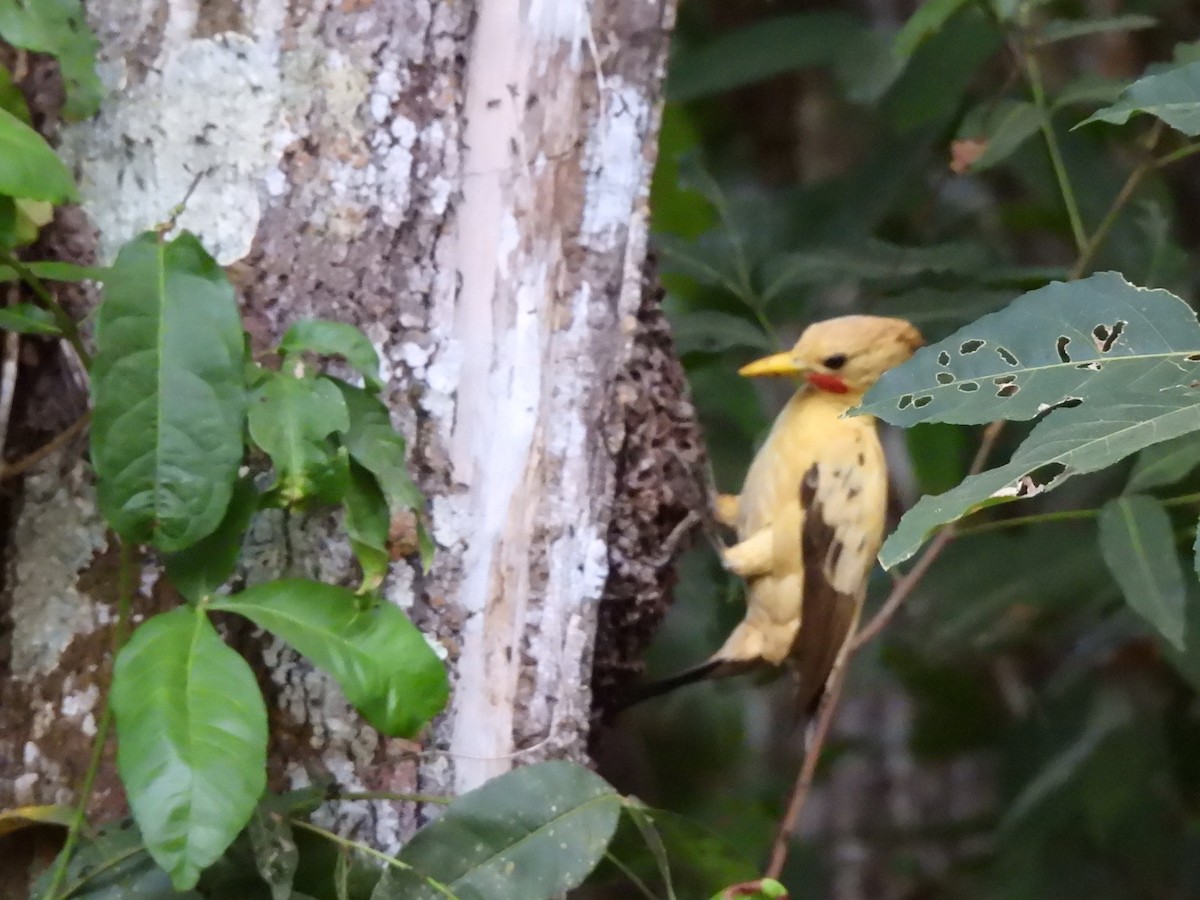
(111, 863)
(643, 820)
(1089, 89)
(708, 331)
(1065, 30)
(382, 662)
(1173, 96)
(368, 523)
(1004, 126)
(168, 393)
(191, 740)
(378, 448)
(275, 853)
(922, 24)
(26, 318)
(761, 50)
(11, 97)
(200, 570)
(58, 27)
(58, 271)
(335, 339)
(871, 261)
(1069, 442)
(526, 835)
(1110, 714)
(1164, 463)
(1085, 339)
(28, 167)
(292, 419)
(1139, 548)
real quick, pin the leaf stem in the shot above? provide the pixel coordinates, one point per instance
(351, 796)
(390, 861)
(61, 317)
(125, 578)
(1037, 87)
(1061, 515)
(631, 875)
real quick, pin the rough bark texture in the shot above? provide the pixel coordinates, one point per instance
(465, 181)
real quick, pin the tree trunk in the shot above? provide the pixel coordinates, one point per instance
(467, 182)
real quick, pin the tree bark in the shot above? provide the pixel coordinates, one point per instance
(467, 182)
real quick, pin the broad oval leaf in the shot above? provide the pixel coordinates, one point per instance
(380, 659)
(1138, 545)
(1173, 96)
(526, 835)
(168, 392)
(200, 570)
(1003, 127)
(1068, 442)
(28, 167)
(191, 740)
(368, 524)
(1165, 463)
(292, 419)
(1068, 340)
(335, 339)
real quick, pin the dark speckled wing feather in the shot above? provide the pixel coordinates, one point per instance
(828, 613)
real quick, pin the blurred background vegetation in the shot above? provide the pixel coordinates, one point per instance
(1017, 732)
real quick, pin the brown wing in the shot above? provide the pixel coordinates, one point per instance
(828, 613)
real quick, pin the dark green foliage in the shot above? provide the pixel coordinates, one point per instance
(1057, 638)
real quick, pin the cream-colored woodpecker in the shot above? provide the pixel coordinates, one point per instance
(810, 516)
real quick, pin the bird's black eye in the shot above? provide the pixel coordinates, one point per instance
(834, 362)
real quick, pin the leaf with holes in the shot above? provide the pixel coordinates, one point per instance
(168, 388)
(1139, 548)
(1069, 442)
(530, 834)
(191, 740)
(1061, 344)
(1173, 96)
(1165, 463)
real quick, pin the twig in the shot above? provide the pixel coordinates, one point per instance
(1034, 71)
(833, 689)
(11, 470)
(812, 755)
(913, 576)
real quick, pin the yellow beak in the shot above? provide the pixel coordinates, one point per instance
(779, 364)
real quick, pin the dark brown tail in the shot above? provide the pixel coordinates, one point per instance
(712, 668)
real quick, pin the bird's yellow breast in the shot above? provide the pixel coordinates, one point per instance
(851, 490)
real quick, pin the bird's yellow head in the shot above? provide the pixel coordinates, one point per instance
(844, 355)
